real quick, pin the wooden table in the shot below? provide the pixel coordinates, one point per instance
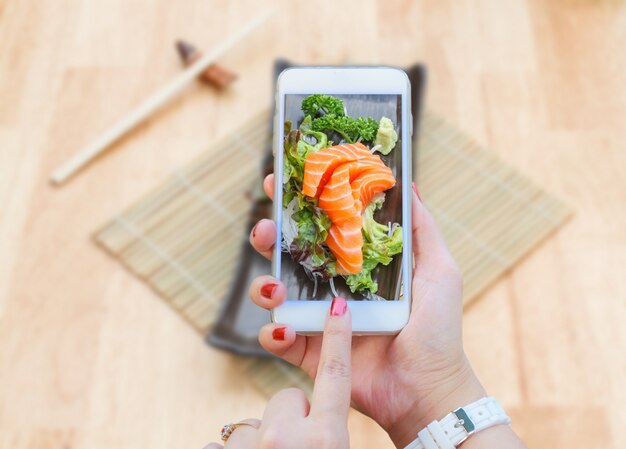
(89, 357)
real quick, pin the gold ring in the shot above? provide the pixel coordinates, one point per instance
(228, 429)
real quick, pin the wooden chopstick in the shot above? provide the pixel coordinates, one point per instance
(152, 104)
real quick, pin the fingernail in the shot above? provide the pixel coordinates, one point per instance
(416, 192)
(268, 290)
(338, 307)
(254, 230)
(279, 333)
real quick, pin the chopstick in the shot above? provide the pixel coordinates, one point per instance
(152, 104)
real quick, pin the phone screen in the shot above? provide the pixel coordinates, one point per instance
(341, 182)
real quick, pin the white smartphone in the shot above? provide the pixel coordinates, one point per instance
(342, 196)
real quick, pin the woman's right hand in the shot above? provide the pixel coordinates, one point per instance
(290, 421)
(403, 381)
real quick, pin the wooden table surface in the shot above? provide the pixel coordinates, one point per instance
(90, 358)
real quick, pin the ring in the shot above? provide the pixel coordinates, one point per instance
(228, 429)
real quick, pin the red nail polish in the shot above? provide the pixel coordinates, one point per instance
(338, 307)
(279, 333)
(268, 290)
(416, 192)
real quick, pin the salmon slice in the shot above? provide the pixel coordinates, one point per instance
(345, 241)
(369, 184)
(319, 166)
(345, 178)
(338, 198)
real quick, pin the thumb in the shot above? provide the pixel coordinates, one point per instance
(429, 246)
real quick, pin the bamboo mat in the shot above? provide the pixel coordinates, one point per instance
(183, 239)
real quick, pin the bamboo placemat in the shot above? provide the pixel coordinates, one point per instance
(183, 238)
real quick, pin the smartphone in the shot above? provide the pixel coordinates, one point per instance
(342, 196)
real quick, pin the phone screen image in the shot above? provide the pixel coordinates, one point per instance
(341, 215)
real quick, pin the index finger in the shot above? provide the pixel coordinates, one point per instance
(268, 185)
(263, 234)
(331, 393)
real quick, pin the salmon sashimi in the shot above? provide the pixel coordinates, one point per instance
(369, 184)
(319, 166)
(345, 241)
(338, 198)
(345, 178)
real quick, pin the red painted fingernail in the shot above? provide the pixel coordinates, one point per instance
(338, 307)
(416, 192)
(279, 333)
(268, 290)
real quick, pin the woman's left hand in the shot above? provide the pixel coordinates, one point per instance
(289, 420)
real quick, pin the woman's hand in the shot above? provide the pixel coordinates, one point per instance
(289, 421)
(403, 381)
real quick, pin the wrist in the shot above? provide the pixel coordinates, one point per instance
(456, 390)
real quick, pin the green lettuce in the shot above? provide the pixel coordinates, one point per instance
(313, 226)
(363, 280)
(299, 143)
(309, 223)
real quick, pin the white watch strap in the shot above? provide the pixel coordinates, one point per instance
(457, 426)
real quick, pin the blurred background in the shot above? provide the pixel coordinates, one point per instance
(90, 358)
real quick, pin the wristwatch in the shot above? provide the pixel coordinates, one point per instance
(458, 425)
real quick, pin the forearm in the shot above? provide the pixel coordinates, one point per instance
(458, 394)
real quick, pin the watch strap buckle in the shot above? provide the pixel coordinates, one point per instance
(463, 420)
